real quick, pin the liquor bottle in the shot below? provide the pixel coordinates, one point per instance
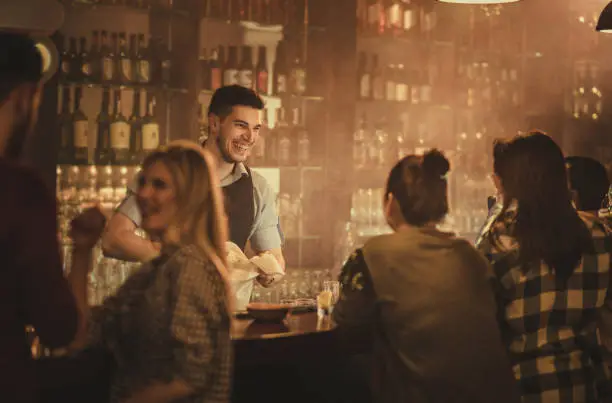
(65, 127)
(245, 71)
(298, 76)
(84, 61)
(394, 17)
(204, 67)
(381, 138)
(376, 17)
(303, 140)
(143, 70)
(284, 141)
(150, 129)
(166, 66)
(390, 84)
(216, 71)
(80, 125)
(134, 61)
(360, 144)
(124, 61)
(378, 83)
(281, 76)
(74, 65)
(364, 78)
(64, 68)
(230, 75)
(107, 57)
(94, 57)
(135, 121)
(120, 135)
(401, 84)
(103, 154)
(261, 72)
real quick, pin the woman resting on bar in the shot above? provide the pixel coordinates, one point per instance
(552, 274)
(424, 298)
(168, 325)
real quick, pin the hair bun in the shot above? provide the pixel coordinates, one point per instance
(435, 163)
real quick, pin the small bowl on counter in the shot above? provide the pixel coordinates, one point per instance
(265, 312)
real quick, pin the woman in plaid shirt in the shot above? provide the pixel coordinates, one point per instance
(552, 274)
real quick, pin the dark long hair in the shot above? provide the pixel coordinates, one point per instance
(547, 227)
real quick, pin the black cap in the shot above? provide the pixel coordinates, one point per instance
(20, 60)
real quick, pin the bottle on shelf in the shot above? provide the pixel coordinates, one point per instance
(135, 122)
(272, 142)
(80, 125)
(150, 129)
(166, 66)
(245, 71)
(204, 68)
(65, 128)
(284, 141)
(84, 61)
(298, 75)
(143, 64)
(94, 57)
(364, 78)
(119, 134)
(394, 18)
(262, 77)
(74, 65)
(390, 83)
(216, 72)
(124, 61)
(281, 75)
(64, 53)
(360, 143)
(303, 140)
(230, 74)
(378, 82)
(107, 57)
(402, 90)
(103, 145)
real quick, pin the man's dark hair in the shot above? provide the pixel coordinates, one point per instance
(20, 62)
(225, 98)
(588, 178)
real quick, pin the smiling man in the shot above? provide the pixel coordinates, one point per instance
(235, 120)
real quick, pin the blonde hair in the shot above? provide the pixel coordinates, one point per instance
(200, 217)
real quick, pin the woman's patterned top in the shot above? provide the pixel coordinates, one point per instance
(169, 321)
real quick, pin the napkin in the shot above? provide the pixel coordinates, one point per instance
(243, 271)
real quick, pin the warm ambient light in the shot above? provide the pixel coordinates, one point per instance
(605, 20)
(479, 1)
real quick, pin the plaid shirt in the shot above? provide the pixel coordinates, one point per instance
(551, 329)
(168, 321)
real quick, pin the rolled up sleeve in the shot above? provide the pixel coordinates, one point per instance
(200, 327)
(266, 229)
(129, 206)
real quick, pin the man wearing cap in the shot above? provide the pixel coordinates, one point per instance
(235, 116)
(33, 290)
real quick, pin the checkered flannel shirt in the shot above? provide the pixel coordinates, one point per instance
(551, 328)
(168, 321)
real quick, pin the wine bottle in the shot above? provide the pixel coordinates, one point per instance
(74, 70)
(134, 60)
(364, 77)
(281, 78)
(298, 76)
(80, 125)
(64, 68)
(107, 57)
(135, 121)
(378, 84)
(150, 129)
(65, 127)
(216, 73)
(142, 61)
(94, 57)
(103, 154)
(390, 84)
(303, 140)
(120, 135)
(166, 66)
(124, 62)
(262, 77)
(204, 67)
(84, 62)
(245, 72)
(230, 75)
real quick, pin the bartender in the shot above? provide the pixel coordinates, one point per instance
(234, 121)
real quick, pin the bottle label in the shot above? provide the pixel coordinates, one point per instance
(401, 90)
(107, 69)
(230, 77)
(262, 82)
(86, 69)
(150, 136)
(120, 135)
(298, 78)
(81, 133)
(365, 85)
(126, 69)
(216, 78)
(281, 84)
(144, 71)
(245, 78)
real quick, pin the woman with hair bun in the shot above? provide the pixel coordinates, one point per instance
(422, 297)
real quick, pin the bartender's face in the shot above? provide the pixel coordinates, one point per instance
(236, 134)
(156, 198)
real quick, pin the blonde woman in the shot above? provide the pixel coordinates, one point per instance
(168, 327)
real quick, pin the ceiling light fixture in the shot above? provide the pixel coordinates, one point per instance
(605, 20)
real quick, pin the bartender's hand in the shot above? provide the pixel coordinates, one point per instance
(87, 227)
